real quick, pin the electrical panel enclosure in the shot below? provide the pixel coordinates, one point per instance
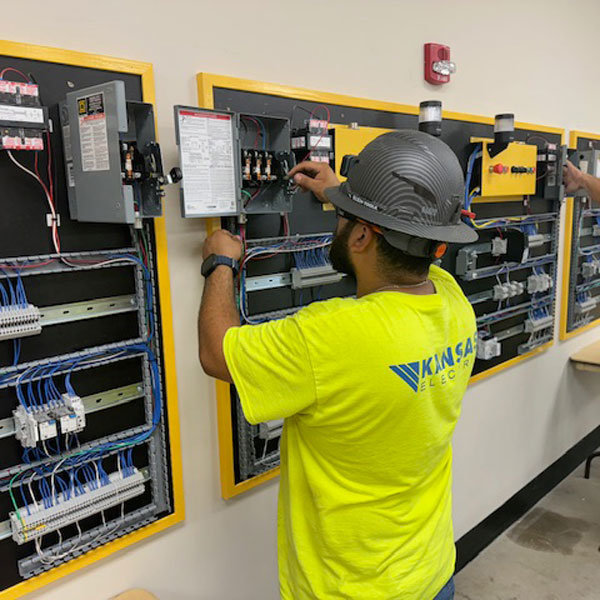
(113, 163)
(233, 163)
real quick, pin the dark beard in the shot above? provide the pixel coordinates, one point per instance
(338, 252)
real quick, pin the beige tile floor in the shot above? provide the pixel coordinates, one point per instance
(552, 553)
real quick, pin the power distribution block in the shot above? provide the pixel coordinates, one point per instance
(233, 163)
(113, 164)
(510, 172)
(23, 119)
(41, 519)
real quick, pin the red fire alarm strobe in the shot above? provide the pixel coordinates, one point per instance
(438, 66)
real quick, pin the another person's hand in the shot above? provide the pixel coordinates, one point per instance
(314, 177)
(572, 177)
(223, 243)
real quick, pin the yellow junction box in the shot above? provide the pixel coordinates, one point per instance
(498, 174)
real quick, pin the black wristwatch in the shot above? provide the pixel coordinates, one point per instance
(212, 261)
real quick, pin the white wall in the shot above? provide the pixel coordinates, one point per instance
(518, 56)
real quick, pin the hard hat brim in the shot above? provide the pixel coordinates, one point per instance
(453, 234)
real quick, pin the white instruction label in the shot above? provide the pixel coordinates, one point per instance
(21, 114)
(207, 163)
(318, 141)
(93, 133)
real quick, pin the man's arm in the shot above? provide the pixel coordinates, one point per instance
(576, 180)
(218, 311)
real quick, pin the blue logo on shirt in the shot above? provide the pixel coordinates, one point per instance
(416, 374)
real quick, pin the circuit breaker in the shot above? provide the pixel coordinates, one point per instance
(113, 163)
(233, 163)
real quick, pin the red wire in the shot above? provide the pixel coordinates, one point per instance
(312, 112)
(28, 79)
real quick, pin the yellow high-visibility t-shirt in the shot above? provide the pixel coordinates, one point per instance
(371, 390)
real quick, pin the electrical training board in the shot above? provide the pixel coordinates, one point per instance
(581, 275)
(88, 417)
(509, 274)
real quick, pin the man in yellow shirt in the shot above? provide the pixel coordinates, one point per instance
(370, 387)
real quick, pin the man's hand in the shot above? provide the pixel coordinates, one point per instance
(314, 177)
(223, 243)
(573, 178)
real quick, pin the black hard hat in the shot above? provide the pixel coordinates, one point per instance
(409, 183)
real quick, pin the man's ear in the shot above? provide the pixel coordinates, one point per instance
(361, 238)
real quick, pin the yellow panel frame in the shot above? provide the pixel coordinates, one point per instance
(206, 83)
(564, 307)
(144, 70)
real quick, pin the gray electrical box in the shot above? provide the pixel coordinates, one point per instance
(233, 163)
(113, 164)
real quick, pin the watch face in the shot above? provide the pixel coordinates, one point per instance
(208, 265)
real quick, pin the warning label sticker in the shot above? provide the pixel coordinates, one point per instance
(93, 133)
(207, 162)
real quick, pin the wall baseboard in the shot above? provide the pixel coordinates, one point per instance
(482, 535)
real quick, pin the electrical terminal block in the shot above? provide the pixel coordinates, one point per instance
(38, 520)
(503, 291)
(539, 283)
(596, 230)
(270, 429)
(488, 348)
(535, 324)
(45, 422)
(499, 246)
(589, 269)
(19, 321)
(314, 276)
(535, 240)
(585, 305)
